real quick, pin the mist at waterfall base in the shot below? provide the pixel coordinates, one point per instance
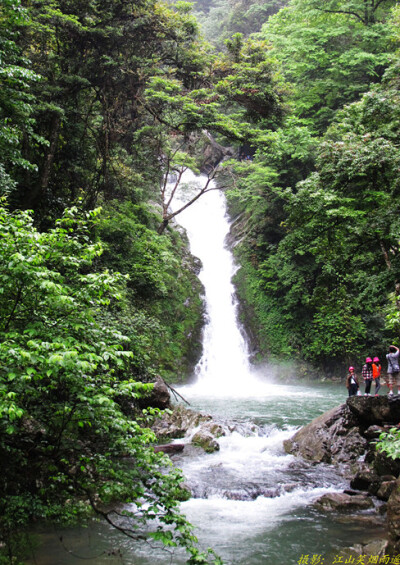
(224, 370)
(251, 502)
(275, 523)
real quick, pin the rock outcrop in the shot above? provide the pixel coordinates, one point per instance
(342, 502)
(375, 411)
(213, 153)
(159, 397)
(347, 435)
(343, 434)
(333, 437)
(181, 422)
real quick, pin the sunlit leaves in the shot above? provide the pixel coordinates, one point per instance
(330, 56)
(65, 441)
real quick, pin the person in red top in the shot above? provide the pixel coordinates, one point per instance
(376, 374)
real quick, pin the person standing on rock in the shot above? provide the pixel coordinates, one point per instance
(376, 374)
(393, 368)
(352, 382)
(367, 375)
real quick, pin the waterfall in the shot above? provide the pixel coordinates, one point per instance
(250, 501)
(224, 368)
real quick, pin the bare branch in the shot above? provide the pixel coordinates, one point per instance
(202, 191)
(342, 12)
(178, 181)
(164, 186)
(106, 515)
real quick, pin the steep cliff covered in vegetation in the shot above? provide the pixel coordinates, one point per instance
(319, 215)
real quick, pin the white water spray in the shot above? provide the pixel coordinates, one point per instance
(224, 369)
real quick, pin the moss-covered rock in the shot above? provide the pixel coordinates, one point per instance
(204, 439)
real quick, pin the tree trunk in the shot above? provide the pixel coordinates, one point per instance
(162, 227)
(37, 192)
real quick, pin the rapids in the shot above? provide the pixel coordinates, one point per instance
(251, 501)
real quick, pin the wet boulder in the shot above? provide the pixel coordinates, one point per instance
(342, 502)
(366, 479)
(375, 411)
(385, 465)
(332, 437)
(213, 428)
(178, 422)
(203, 438)
(386, 488)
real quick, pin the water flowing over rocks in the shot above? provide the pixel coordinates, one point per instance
(199, 428)
(346, 436)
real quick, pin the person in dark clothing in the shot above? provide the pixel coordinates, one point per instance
(352, 382)
(367, 375)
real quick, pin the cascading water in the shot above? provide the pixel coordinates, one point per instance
(248, 498)
(224, 368)
(250, 501)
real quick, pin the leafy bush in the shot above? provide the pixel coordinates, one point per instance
(66, 447)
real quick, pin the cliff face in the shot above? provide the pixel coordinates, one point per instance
(346, 436)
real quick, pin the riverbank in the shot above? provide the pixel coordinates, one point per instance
(343, 438)
(346, 437)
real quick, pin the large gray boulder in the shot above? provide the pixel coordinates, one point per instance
(343, 434)
(182, 422)
(203, 438)
(333, 437)
(178, 422)
(342, 502)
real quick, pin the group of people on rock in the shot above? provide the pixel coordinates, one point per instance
(371, 373)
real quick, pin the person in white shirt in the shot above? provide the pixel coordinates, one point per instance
(393, 369)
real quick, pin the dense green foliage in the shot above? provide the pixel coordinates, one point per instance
(318, 204)
(80, 343)
(163, 312)
(67, 443)
(99, 102)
